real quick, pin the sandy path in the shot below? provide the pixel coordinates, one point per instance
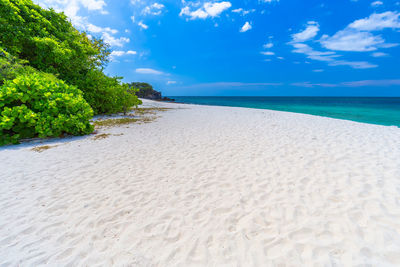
(207, 186)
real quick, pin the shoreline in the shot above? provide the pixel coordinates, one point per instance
(189, 105)
(320, 113)
(157, 103)
(206, 186)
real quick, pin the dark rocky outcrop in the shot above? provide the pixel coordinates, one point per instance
(154, 95)
(146, 91)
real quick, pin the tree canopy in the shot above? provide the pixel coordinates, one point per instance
(48, 42)
(40, 41)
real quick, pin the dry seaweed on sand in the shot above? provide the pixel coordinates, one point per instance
(139, 116)
(152, 111)
(105, 135)
(101, 136)
(122, 121)
(40, 149)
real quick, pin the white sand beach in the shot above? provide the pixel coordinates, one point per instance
(206, 186)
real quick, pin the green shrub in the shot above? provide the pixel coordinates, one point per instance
(47, 41)
(127, 98)
(40, 105)
(11, 67)
(106, 95)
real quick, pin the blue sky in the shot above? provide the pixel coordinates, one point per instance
(251, 47)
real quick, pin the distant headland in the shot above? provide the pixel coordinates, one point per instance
(147, 91)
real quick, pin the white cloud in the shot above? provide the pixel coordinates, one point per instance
(115, 54)
(329, 57)
(171, 82)
(238, 10)
(372, 83)
(313, 54)
(107, 34)
(113, 41)
(122, 53)
(318, 70)
(214, 9)
(376, 3)
(362, 83)
(246, 27)
(268, 45)
(133, 18)
(352, 40)
(379, 54)
(267, 53)
(71, 8)
(149, 71)
(357, 37)
(93, 4)
(96, 29)
(142, 25)
(353, 64)
(154, 9)
(242, 11)
(309, 33)
(377, 22)
(230, 84)
(208, 9)
(311, 85)
(198, 14)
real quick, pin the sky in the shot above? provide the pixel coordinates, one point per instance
(248, 47)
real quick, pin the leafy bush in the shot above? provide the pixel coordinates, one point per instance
(40, 105)
(11, 67)
(106, 94)
(48, 42)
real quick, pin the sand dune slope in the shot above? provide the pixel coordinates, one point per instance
(207, 186)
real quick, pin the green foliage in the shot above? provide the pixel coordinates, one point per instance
(108, 95)
(35, 41)
(41, 105)
(128, 98)
(11, 67)
(48, 42)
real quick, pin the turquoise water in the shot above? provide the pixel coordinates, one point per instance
(374, 110)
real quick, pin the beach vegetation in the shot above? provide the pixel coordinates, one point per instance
(52, 75)
(48, 42)
(40, 105)
(11, 67)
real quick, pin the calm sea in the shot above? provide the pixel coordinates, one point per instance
(375, 110)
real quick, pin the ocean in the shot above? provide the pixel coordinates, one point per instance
(374, 110)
